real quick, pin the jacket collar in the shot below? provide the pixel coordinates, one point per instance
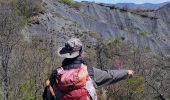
(70, 63)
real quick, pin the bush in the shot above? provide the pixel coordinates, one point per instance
(29, 8)
(26, 92)
(142, 34)
(76, 6)
(93, 34)
(70, 3)
(117, 41)
(23, 20)
(66, 2)
(136, 86)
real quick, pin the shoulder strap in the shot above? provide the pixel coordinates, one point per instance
(59, 70)
(83, 65)
(90, 88)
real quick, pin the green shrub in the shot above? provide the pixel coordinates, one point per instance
(136, 85)
(92, 34)
(26, 8)
(23, 20)
(117, 41)
(67, 2)
(71, 4)
(76, 6)
(142, 34)
(26, 91)
(1, 96)
(29, 8)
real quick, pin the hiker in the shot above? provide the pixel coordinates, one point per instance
(88, 76)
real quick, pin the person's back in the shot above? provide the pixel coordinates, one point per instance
(73, 71)
(71, 82)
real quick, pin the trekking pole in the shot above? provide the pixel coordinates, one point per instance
(51, 89)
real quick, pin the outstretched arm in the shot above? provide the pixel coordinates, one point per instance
(107, 77)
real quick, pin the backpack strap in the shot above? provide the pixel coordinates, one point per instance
(91, 89)
(59, 70)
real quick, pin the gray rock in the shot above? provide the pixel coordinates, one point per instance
(109, 22)
(141, 6)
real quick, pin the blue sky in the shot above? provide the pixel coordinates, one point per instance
(127, 1)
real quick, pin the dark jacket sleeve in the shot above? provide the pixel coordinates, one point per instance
(53, 77)
(106, 77)
(52, 82)
(46, 94)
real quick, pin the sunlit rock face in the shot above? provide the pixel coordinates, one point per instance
(144, 28)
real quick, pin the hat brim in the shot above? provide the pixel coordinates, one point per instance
(62, 53)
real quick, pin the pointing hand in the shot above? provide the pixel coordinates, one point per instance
(130, 73)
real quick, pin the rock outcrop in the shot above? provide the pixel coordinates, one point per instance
(144, 6)
(144, 28)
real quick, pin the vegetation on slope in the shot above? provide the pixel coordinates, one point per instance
(71, 4)
(25, 66)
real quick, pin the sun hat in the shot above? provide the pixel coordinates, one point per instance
(72, 48)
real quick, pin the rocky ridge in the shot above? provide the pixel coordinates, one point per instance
(144, 28)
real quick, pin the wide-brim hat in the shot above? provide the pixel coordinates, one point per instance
(72, 48)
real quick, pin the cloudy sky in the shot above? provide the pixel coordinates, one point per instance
(127, 1)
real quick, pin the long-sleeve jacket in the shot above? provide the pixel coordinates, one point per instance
(101, 78)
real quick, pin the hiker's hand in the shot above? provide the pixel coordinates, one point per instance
(130, 73)
(47, 83)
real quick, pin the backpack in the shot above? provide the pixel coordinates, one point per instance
(72, 83)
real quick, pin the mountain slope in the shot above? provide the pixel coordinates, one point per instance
(144, 6)
(147, 29)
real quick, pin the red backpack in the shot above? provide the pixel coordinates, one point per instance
(72, 83)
